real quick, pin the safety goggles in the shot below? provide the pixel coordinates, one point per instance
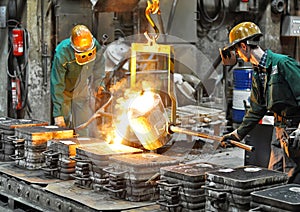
(83, 58)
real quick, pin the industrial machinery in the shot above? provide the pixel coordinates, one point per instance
(150, 62)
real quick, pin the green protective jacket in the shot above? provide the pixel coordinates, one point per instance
(66, 74)
(281, 93)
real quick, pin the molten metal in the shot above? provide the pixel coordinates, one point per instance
(148, 120)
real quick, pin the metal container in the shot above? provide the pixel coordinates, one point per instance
(136, 172)
(10, 124)
(279, 198)
(181, 186)
(7, 132)
(67, 146)
(59, 162)
(193, 172)
(102, 151)
(242, 78)
(230, 189)
(148, 120)
(31, 142)
(92, 158)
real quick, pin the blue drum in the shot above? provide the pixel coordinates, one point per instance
(242, 81)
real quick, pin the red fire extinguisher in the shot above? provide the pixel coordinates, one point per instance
(16, 93)
(18, 41)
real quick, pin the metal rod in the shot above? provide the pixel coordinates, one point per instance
(171, 16)
(100, 112)
(215, 64)
(180, 130)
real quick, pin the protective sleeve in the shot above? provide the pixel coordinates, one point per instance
(57, 84)
(251, 119)
(290, 69)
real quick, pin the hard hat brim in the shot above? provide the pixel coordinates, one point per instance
(231, 45)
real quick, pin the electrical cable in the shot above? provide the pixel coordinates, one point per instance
(206, 21)
(10, 43)
(205, 14)
(120, 31)
(12, 20)
(24, 70)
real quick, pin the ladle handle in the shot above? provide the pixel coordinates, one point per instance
(242, 146)
(175, 129)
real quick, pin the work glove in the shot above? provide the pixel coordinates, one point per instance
(99, 91)
(295, 138)
(230, 136)
(59, 121)
(102, 96)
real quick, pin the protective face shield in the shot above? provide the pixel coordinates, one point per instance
(83, 43)
(85, 57)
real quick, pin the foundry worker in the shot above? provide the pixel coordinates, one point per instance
(77, 71)
(275, 88)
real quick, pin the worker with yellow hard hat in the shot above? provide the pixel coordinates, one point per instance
(275, 88)
(74, 73)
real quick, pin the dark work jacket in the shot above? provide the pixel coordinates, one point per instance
(281, 93)
(66, 72)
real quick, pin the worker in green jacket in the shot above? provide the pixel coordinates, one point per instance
(275, 88)
(77, 71)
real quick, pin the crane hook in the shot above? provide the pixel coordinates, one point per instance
(152, 8)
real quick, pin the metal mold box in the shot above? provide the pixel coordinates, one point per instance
(37, 135)
(285, 197)
(194, 172)
(246, 177)
(10, 124)
(103, 150)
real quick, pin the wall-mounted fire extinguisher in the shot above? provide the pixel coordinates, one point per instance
(18, 41)
(17, 70)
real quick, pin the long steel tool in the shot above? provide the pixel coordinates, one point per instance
(175, 129)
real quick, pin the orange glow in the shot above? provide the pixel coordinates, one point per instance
(138, 107)
(148, 120)
(144, 102)
(116, 131)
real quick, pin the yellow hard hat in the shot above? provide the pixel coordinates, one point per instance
(82, 39)
(83, 43)
(243, 31)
